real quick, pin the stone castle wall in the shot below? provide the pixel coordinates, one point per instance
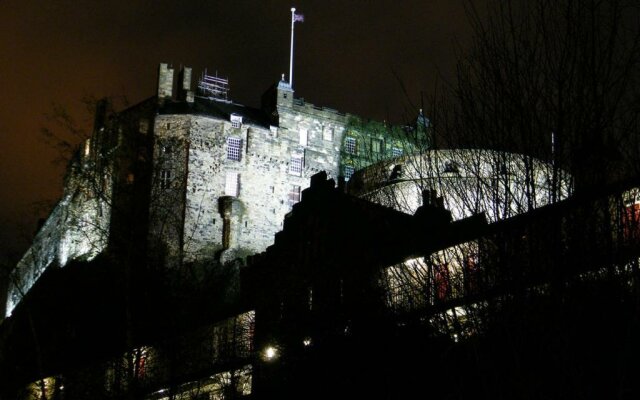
(267, 184)
(76, 229)
(202, 203)
(228, 207)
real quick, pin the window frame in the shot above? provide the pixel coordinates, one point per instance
(234, 148)
(296, 165)
(232, 184)
(295, 194)
(348, 172)
(351, 145)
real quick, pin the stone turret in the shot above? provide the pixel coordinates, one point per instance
(184, 85)
(165, 82)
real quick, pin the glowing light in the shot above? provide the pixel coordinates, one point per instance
(270, 353)
(307, 342)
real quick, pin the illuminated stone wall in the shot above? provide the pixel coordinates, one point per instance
(76, 229)
(196, 212)
(194, 151)
(471, 181)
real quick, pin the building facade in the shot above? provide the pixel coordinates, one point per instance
(193, 177)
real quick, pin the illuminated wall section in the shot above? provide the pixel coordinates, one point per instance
(499, 184)
(76, 229)
(222, 185)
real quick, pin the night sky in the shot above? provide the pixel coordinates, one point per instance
(348, 55)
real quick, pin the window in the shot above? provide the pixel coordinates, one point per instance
(232, 184)
(236, 121)
(472, 273)
(304, 137)
(376, 145)
(348, 172)
(442, 283)
(274, 131)
(294, 194)
(296, 165)
(140, 362)
(502, 168)
(350, 145)
(234, 146)
(165, 179)
(630, 224)
(143, 126)
(396, 152)
(327, 133)
(451, 166)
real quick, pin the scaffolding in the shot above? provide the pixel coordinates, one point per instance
(213, 87)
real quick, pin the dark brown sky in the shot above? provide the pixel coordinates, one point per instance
(59, 51)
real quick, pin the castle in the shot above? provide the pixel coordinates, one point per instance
(210, 178)
(189, 176)
(341, 283)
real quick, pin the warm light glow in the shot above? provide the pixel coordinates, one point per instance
(307, 342)
(270, 353)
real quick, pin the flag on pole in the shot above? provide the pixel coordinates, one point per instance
(298, 17)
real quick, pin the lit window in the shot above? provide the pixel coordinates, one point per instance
(236, 121)
(233, 148)
(348, 172)
(350, 145)
(295, 167)
(396, 152)
(232, 184)
(304, 137)
(140, 362)
(376, 145)
(442, 282)
(327, 134)
(165, 179)
(294, 194)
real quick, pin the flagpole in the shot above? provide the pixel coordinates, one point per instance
(293, 11)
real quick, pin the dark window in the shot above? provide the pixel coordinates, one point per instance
(376, 145)
(165, 179)
(451, 167)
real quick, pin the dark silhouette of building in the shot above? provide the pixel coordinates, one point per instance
(356, 300)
